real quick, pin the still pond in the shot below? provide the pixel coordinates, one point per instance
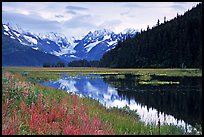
(170, 100)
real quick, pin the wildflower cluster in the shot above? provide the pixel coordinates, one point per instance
(25, 113)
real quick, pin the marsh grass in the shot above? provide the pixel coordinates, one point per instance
(122, 121)
(134, 71)
(145, 77)
(157, 82)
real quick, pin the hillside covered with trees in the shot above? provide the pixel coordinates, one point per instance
(172, 44)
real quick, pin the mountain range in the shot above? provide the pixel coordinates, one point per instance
(16, 54)
(57, 46)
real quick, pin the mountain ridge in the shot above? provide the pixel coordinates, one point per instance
(16, 54)
(69, 49)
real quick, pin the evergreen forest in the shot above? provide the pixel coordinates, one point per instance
(176, 43)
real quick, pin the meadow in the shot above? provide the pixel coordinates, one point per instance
(28, 108)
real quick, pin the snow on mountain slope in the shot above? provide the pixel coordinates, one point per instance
(30, 39)
(16, 33)
(6, 28)
(53, 43)
(6, 33)
(91, 46)
(129, 31)
(97, 43)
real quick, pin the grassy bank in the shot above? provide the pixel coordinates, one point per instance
(52, 111)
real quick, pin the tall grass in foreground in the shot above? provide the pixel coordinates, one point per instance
(27, 112)
(33, 109)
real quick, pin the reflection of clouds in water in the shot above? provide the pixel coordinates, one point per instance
(111, 90)
(68, 85)
(119, 103)
(108, 96)
(89, 87)
(150, 116)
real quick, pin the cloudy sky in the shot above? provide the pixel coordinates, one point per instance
(78, 18)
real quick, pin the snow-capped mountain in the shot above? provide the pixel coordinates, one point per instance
(52, 43)
(16, 54)
(95, 44)
(91, 47)
(129, 31)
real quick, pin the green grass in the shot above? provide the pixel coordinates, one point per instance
(156, 82)
(121, 121)
(84, 71)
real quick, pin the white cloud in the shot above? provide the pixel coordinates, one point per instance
(78, 18)
(75, 8)
(33, 22)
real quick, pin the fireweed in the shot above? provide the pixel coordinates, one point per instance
(32, 109)
(27, 112)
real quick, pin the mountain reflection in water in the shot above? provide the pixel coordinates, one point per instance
(179, 105)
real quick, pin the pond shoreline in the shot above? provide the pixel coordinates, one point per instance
(37, 75)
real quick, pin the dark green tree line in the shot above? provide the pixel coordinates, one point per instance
(173, 44)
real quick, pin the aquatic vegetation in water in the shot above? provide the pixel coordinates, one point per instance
(156, 82)
(121, 124)
(145, 77)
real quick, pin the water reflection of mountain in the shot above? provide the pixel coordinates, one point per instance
(184, 101)
(85, 86)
